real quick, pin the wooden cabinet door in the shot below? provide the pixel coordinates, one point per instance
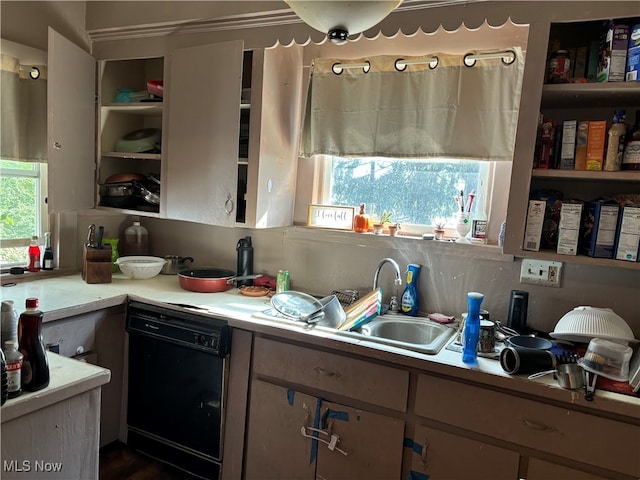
(373, 444)
(444, 455)
(543, 470)
(71, 125)
(203, 97)
(275, 448)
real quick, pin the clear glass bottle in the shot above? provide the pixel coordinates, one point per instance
(615, 143)
(47, 256)
(34, 255)
(136, 240)
(14, 368)
(35, 367)
(631, 155)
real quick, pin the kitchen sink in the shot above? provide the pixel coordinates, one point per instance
(412, 333)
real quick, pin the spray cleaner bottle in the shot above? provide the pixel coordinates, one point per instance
(410, 302)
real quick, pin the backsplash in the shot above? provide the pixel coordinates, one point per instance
(321, 261)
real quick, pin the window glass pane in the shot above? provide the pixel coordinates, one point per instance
(10, 164)
(18, 207)
(415, 192)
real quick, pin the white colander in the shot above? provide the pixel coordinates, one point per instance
(584, 323)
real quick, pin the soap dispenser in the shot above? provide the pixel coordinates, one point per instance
(410, 301)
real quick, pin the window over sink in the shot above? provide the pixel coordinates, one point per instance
(416, 193)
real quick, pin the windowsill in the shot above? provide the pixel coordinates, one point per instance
(400, 241)
(9, 279)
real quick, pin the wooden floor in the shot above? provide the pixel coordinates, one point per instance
(118, 462)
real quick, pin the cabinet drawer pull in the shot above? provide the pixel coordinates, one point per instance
(537, 426)
(327, 373)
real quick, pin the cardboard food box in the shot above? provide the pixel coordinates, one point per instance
(612, 55)
(633, 55)
(628, 235)
(568, 145)
(596, 139)
(533, 229)
(569, 228)
(599, 227)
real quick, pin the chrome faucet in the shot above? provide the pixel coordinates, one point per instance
(398, 279)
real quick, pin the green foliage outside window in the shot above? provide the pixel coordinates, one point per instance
(414, 192)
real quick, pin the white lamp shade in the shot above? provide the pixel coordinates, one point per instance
(352, 16)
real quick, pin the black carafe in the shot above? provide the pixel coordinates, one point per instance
(518, 305)
(245, 261)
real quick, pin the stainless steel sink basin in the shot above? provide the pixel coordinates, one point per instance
(412, 333)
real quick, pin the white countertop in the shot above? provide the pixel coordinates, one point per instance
(68, 378)
(66, 296)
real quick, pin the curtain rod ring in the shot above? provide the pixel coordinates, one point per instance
(469, 62)
(400, 65)
(509, 57)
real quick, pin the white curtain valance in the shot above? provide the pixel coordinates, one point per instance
(448, 111)
(23, 107)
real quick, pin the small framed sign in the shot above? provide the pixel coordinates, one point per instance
(330, 216)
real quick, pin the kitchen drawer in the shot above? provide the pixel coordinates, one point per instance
(560, 431)
(358, 379)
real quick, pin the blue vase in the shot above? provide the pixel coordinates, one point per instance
(471, 332)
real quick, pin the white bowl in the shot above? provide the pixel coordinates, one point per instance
(140, 267)
(585, 323)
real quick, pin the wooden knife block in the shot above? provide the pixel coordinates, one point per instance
(96, 264)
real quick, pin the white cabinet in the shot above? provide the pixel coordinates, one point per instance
(232, 161)
(71, 121)
(203, 130)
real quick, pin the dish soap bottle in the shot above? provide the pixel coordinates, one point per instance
(361, 220)
(471, 332)
(410, 302)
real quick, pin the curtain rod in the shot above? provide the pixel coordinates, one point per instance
(507, 57)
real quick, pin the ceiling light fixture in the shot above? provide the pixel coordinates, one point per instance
(341, 18)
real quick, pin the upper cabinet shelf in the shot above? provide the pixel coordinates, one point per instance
(595, 94)
(621, 176)
(138, 108)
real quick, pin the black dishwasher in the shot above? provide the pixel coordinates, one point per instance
(178, 365)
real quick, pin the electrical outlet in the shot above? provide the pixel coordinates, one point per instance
(540, 272)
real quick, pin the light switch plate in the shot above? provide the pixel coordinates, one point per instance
(540, 272)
